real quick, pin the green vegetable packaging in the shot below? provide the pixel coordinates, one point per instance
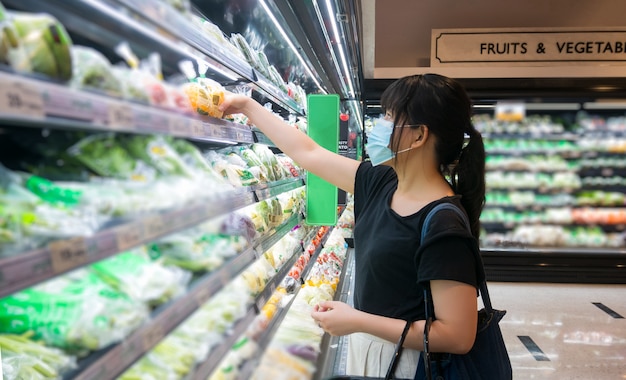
(77, 312)
(46, 43)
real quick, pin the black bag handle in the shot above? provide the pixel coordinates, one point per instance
(397, 352)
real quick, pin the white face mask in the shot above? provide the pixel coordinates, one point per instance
(378, 140)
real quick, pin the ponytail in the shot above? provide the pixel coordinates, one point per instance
(468, 178)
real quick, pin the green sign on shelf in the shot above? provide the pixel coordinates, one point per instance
(323, 127)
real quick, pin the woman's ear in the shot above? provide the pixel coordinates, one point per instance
(421, 135)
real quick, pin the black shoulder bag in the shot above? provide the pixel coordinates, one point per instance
(488, 359)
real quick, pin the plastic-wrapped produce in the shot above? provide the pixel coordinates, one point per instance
(197, 253)
(93, 71)
(131, 88)
(237, 175)
(205, 96)
(78, 312)
(156, 151)
(23, 358)
(276, 171)
(42, 41)
(142, 279)
(194, 159)
(105, 155)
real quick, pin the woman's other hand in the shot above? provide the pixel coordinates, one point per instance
(336, 318)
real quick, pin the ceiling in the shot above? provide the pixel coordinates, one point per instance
(396, 41)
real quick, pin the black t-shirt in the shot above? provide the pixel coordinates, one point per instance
(391, 262)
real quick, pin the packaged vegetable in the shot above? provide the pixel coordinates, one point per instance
(136, 275)
(46, 43)
(205, 96)
(130, 87)
(237, 175)
(93, 71)
(157, 152)
(105, 155)
(77, 312)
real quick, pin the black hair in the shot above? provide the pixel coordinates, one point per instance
(442, 104)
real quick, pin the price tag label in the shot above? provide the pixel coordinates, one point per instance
(261, 301)
(120, 116)
(197, 128)
(21, 99)
(152, 336)
(180, 126)
(129, 237)
(263, 194)
(155, 226)
(68, 254)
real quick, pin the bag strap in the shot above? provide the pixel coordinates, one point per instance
(397, 352)
(484, 292)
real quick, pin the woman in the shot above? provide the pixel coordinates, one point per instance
(418, 159)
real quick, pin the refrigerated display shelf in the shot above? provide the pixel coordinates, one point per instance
(36, 103)
(602, 172)
(112, 361)
(265, 86)
(204, 370)
(266, 337)
(272, 189)
(165, 17)
(566, 136)
(555, 265)
(104, 23)
(31, 267)
(164, 31)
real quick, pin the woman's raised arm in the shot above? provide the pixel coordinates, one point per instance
(334, 168)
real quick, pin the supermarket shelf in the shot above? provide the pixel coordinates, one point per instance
(555, 265)
(265, 86)
(272, 189)
(266, 337)
(107, 26)
(602, 172)
(35, 103)
(28, 268)
(493, 226)
(204, 370)
(165, 17)
(566, 136)
(117, 359)
(333, 349)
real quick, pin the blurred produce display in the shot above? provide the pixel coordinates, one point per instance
(552, 186)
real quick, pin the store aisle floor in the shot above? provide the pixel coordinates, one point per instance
(563, 331)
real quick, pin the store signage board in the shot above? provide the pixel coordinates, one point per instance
(528, 47)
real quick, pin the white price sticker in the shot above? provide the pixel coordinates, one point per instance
(21, 99)
(120, 116)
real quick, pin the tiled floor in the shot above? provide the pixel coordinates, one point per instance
(578, 331)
